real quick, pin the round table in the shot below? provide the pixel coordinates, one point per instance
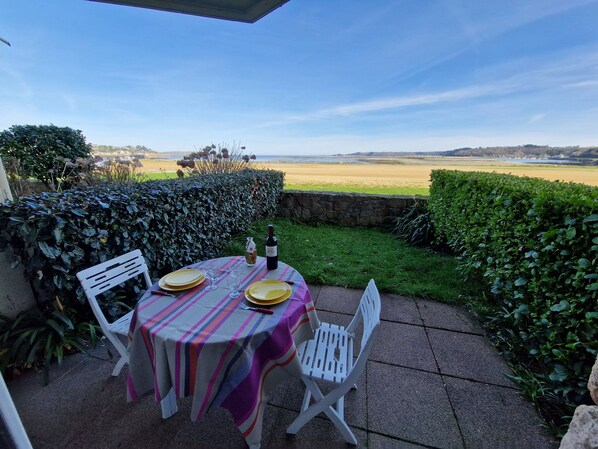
(203, 344)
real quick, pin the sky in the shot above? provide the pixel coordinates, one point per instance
(311, 78)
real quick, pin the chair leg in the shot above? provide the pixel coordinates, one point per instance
(119, 366)
(306, 400)
(122, 350)
(322, 404)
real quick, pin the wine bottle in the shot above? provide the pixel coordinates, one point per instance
(271, 249)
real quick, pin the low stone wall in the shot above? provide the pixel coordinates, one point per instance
(345, 209)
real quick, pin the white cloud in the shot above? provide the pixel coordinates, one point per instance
(582, 84)
(536, 118)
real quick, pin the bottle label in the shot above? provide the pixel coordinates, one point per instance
(271, 251)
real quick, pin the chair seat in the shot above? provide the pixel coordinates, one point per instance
(121, 326)
(329, 356)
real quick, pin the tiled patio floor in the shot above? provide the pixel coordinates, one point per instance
(433, 380)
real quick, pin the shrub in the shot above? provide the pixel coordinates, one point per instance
(40, 335)
(41, 150)
(173, 223)
(536, 244)
(414, 225)
(212, 159)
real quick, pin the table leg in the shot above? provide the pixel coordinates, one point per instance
(168, 404)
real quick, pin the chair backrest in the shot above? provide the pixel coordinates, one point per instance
(104, 276)
(367, 313)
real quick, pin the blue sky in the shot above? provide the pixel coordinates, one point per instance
(313, 77)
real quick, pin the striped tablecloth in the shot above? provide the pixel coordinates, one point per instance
(205, 346)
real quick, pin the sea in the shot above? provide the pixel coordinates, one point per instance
(343, 159)
(312, 159)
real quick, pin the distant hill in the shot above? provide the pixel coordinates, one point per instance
(521, 151)
(128, 151)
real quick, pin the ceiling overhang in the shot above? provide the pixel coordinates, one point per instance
(248, 11)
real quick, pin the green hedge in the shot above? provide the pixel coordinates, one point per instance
(173, 223)
(536, 244)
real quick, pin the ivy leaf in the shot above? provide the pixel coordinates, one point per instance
(563, 305)
(591, 315)
(51, 252)
(79, 212)
(58, 235)
(559, 373)
(591, 219)
(521, 281)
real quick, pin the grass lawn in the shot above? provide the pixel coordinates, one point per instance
(350, 257)
(399, 190)
(160, 175)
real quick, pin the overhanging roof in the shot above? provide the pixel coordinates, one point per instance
(247, 11)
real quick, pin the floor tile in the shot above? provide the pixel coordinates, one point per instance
(404, 345)
(444, 316)
(469, 356)
(315, 292)
(339, 300)
(493, 417)
(376, 441)
(410, 405)
(400, 309)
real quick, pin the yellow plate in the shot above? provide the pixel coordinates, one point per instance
(269, 289)
(272, 302)
(182, 278)
(164, 286)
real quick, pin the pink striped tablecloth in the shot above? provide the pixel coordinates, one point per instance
(205, 346)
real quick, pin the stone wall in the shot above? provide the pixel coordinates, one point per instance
(345, 209)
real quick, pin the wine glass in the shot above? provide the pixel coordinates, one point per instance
(233, 281)
(212, 272)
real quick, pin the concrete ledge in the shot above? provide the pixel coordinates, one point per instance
(15, 291)
(345, 209)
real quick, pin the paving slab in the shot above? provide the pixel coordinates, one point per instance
(405, 345)
(339, 300)
(410, 405)
(94, 413)
(400, 309)
(315, 292)
(468, 402)
(493, 417)
(469, 356)
(318, 433)
(444, 316)
(376, 441)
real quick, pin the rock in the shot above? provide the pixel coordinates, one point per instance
(593, 382)
(583, 430)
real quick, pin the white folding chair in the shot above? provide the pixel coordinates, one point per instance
(103, 277)
(329, 357)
